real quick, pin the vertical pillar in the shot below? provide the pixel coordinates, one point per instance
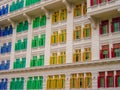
(94, 80)
(8, 85)
(48, 37)
(29, 39)
(69, 44)
(25, 82)
(12, 56)
(44, 82)
(95, 40)
(67, 80)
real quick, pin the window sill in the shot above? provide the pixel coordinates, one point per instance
(102, 35)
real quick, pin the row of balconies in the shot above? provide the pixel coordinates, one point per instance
(110, 79)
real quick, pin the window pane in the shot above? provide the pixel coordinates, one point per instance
(104, 29)
(117, 54)
(87, 33)
(116, 27)
(119, 81)
(111, 81)
(102, 82)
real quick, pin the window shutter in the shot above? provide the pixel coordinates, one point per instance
(107, 81)
(98, 81)
(100, 30)
(91, 2)
(101, 54)
(112, 52)
(116, 81)
(100, 1)
(112, 27)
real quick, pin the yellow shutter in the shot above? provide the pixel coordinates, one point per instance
(59, 58)
(83, 56)
(71, 83)
(65, 36)
(53, 18)
(56, 38)
(84, 33)
(65, 14)
(84, 9)
(75, 12)
(74, 57)
(60, 38)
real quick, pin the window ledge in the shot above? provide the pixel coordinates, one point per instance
(102, 35)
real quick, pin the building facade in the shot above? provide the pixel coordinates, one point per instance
(60, 45)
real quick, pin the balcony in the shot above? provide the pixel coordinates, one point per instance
(103, 8)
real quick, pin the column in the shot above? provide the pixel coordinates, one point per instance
(29, 40)
(8, 85)
(25, 82)
(48, 37)
(94, 80)
(44, 82)
(95, 40)
(67, 80)
(12, 56)
(69, 41)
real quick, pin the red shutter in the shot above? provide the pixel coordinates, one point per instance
(98, 81)
(101, 54)
(100, 30)
(107, 81)
(113, 81)
(91, 2)
(100, 1)
(108, 0)
(112, 52)
(112, 27)
(116, 81)
(104, 81)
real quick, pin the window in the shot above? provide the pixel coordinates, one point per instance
(87, 54)
(101, 80)
(104, 52)
(104, 27)
(115, 25)
(77, 33)
(77, 55)
(110, 79)
(62, 81)
(115, 51)
(81, 80)
(62, 36)
(88, 80)
(63, 14)
(50, 82)
(93, 2)
(54, 38)
(55, 17)
(62, 58)
(78, 10)
(84, 8)
(73, 81)
(87, 31)
(117, 79)
(53, 58)
(56, 82)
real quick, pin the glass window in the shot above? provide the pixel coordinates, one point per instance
(105, 53)
(102, 83)
(111, 81)
(117, 52)
(105, 29)
(119, 81)
(116, 26)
